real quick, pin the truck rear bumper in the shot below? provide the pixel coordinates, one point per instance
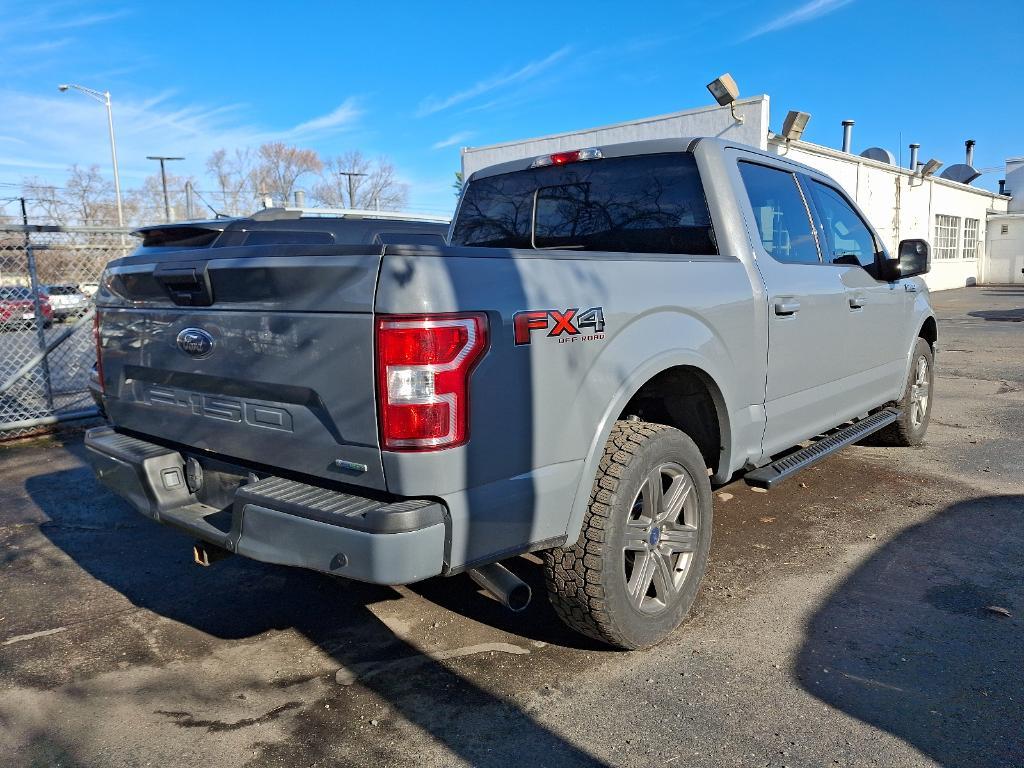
(273, 519)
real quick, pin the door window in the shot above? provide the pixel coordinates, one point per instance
(846, 238)
(780, 213)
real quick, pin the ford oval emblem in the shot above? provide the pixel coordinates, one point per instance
(195, 342)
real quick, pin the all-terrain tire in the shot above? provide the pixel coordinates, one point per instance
(909, 429)
(594, 584)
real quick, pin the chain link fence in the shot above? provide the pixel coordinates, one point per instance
(48, 278)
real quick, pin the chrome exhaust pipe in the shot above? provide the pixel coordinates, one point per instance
(509, 589)
(207, 554)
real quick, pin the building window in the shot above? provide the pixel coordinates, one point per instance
(971, 243)
(947, 236)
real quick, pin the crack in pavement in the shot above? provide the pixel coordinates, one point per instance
(186, 720)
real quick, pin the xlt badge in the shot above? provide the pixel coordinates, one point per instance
(195, 342)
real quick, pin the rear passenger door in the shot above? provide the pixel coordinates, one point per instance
(807, 308)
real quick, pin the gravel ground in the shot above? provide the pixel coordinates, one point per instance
(856, 616)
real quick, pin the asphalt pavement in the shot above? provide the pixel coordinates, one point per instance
(869, 612)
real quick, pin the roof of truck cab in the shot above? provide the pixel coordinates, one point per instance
(625, 149)
(649, 147)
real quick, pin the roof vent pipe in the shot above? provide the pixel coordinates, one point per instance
(969, 146)
(300, 198)
(847, 135)
(1002, 186)
(913, 157)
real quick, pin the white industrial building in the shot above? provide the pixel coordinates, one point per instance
(1004, 259)
(977, 236)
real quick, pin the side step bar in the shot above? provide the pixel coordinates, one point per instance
(772, 474)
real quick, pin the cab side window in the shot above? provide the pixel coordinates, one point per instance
(846, 238)
(783, 222)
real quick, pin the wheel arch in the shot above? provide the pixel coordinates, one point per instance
(654, 374)
(929, 331)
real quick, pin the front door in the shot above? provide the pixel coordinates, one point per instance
(878, 312)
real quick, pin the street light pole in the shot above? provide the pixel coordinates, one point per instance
(104, 98)
(163, 179)
(351, 185)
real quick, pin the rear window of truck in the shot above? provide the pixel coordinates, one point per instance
(639, 204)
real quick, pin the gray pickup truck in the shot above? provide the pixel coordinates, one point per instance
(608, 332)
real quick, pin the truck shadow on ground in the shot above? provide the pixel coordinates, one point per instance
(238, 599)
(913, 643)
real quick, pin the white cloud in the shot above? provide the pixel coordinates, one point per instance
(45, 46)
(453, 140)
(435, 104)
(806, 12)
(49, 133)
(90, 20)
(39, 22)
(342, 117)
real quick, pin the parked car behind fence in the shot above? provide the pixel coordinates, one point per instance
(68, 301)
(18, 308)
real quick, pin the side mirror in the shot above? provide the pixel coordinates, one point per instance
(914, 258)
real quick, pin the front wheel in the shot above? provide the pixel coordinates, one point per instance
(915, 406)
(633, 575)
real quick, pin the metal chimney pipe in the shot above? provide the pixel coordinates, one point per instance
(969, 146)
(913, 157)
(1002, 186)
(847, 135)
(300, 198)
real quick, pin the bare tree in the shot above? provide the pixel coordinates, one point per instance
(86, 198)
(233, 174)
(280, 167)
(352, 180)
(147, 202)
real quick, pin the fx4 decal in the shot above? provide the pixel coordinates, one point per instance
(566, 324)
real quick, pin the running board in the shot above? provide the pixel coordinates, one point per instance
(772, 474)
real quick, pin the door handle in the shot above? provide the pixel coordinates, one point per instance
(787, 307)
(856, 301)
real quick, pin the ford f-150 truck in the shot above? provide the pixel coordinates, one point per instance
(607, 333)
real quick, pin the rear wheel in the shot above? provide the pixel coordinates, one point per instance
(633, 575)
(916, 404)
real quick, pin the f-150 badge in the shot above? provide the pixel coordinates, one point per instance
(567, 325)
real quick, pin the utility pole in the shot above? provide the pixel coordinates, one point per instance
(163, 178)
(351, 185)
(189, 205)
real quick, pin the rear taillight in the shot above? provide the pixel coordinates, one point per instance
(99, 358)
(423, 368)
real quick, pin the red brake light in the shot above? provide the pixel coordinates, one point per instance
(423, 368)
(573, 156)
(99, 358)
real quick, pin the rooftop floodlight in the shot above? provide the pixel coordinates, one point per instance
(930, 168)
(794, 124)
(725, 91)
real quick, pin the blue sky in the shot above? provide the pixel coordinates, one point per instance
(415, 81)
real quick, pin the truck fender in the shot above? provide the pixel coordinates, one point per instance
(640, 376)
(922, 315)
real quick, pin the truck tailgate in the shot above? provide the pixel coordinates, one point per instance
(263, 355)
